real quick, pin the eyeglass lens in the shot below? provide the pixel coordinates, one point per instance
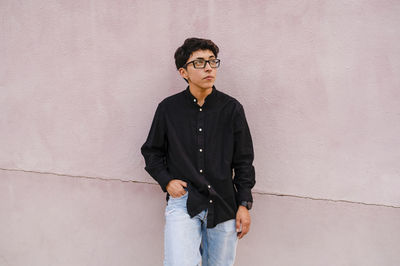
(202, 63)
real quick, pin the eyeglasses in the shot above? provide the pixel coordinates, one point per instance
(201, 63)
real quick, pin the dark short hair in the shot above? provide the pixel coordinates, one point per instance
(191, 45)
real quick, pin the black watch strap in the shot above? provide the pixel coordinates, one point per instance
(247, 204)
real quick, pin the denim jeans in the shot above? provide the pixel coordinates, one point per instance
(188, 241)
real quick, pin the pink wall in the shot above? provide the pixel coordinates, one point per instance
(80, 81)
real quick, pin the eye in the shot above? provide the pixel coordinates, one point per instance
(198, 62)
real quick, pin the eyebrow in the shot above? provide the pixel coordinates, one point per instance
(203, 57)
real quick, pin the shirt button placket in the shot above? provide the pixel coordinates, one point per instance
(200, 139)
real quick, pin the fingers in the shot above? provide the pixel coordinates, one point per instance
(175, 188)
(183, 183)
(245, 229)
(242, 222)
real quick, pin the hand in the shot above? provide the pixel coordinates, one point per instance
(176, 187)
(242, 221)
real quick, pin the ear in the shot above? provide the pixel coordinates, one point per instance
(183, 73)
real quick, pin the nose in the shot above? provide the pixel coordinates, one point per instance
(208, 66)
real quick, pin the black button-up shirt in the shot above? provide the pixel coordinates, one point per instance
(203, 146)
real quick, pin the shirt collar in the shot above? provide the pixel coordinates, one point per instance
(210, 98)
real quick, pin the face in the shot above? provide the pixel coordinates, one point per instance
(200, 78)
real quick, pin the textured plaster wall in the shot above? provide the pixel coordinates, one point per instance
(80, 81)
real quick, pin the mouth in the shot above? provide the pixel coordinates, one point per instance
(209, 77)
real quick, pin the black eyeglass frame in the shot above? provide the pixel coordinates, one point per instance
(218, 61)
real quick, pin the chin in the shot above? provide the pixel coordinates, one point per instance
(204, 85)
(209, 84)
(208, 87)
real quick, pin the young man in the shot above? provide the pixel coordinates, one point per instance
(197, 139)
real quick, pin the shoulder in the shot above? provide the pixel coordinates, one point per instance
(229, 101)
(172, 99)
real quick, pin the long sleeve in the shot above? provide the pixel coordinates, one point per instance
(154, 150)
(243, 156)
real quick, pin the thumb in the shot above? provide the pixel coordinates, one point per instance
(237, 224)
(183, 183)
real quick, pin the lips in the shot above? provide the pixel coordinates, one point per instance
(209, 77)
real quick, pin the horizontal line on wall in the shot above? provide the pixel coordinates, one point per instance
(326, 199)
(254, 192)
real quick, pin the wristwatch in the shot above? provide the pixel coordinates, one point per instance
(247, 204)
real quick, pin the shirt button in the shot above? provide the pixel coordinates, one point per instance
(201, 150)
(200, 129)
(200, 109)
(210, 201)
(194, 100)
(201, 170)
(209, 186)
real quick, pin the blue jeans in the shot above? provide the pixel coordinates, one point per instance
(188, 241)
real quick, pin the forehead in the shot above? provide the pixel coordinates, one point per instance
(206, 54)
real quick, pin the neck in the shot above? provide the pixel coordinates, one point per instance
(200, 93)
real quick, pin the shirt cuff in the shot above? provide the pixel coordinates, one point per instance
(163, 179)
(244, 194)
